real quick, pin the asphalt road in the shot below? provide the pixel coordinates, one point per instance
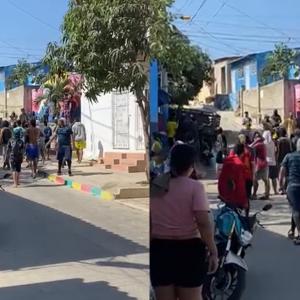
(60, 244)
(274, 265)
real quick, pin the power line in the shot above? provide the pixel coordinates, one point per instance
(241, 25)
(32, 16)
(240, 39)
(255, 20)
(198, 10)
(186, 3)
(244, 35)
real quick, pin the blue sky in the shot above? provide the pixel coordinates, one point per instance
(27, 27)
(231, 27)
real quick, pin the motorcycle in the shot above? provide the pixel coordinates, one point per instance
(234, 233)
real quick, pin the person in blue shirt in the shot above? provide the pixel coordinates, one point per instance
(65, 142)
(290, 169)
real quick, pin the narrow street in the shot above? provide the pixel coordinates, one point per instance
(273, 259)
(57, 243)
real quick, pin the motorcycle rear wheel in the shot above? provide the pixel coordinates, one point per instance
(227, 284)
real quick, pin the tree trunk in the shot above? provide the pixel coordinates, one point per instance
(143, 103)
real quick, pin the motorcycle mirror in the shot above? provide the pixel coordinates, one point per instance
(267, 207)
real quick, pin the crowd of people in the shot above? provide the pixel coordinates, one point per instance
(25, 138)
(271, 156)
(182, 247)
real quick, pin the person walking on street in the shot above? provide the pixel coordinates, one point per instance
(32, 136)
(290, 168)
(295, 139)
(284, 147)
(79, 135)
(247, 158)
(261, 166)
(64, 135)
(47, 135)
(221, 150)
(5, 136)
(271, 159)
(15, 149)
(181, 231)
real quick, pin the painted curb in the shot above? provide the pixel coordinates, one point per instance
(85, 188)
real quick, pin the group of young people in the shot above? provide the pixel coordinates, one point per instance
(26, 138)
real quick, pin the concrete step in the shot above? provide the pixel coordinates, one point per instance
(125, 168)
(131, 193)
(125, 155)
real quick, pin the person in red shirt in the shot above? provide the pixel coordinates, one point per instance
(232, 180)
(261, 166)
(247, 158)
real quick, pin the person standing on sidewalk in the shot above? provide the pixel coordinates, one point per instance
(5, 136)
(290, 168)
(181, 231)
(64, 135)
(15, 149)
(32, 136)
(79, 135)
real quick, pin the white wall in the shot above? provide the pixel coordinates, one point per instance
(98, 120)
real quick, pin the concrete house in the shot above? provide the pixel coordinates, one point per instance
(248, 93)
(114, 132)
(19, 96)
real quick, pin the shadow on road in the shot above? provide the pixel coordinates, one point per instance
(74, 289)
(33, 235)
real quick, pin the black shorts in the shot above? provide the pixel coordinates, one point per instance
(273, 172)
(15, 166)
(178, 262)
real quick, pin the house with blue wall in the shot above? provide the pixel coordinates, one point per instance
(246, 74)
(6, 71)
(18, 96)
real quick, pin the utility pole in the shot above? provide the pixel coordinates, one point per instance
(5, 98)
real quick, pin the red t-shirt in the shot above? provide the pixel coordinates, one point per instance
(260, 155)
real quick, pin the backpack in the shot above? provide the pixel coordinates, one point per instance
(17, 150)
(232, 182)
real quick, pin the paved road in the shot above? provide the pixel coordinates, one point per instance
(60, 244)
(274, 265)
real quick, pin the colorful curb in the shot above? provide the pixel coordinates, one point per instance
(93, 190)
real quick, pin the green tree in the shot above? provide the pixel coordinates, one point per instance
(21, 73)
(279, 63)
(185, 87)
(111, 43)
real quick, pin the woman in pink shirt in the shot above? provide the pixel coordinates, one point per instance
(182, 247)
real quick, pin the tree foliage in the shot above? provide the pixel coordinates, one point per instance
(185, 87)
(279, 64)
(111, 43)
(21, 73)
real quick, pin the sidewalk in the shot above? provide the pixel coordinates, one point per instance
(101, 183)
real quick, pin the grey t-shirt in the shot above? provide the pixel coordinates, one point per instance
(79, 132)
